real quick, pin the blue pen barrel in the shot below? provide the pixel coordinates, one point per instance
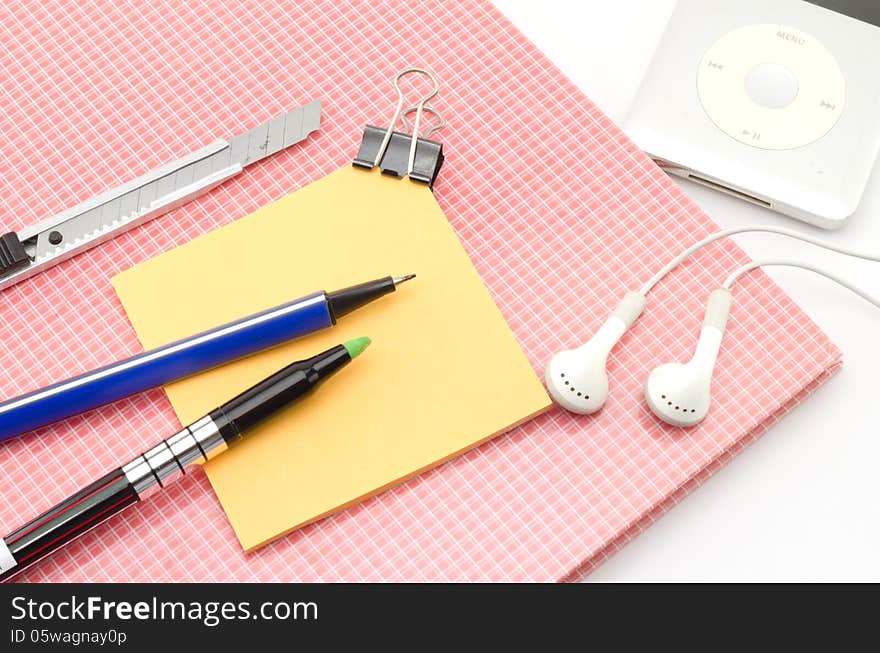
(165, 364)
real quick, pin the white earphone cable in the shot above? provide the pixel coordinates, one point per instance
(790, 233)
(745, 269)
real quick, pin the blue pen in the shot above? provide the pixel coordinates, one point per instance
(188, 356)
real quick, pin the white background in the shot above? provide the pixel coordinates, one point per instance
(803, 503)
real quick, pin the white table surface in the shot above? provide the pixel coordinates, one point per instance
(803, 503)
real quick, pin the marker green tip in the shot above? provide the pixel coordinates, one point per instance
(356, 346)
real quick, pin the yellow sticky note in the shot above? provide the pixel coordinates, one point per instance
(444, 372)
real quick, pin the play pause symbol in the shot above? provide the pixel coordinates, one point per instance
(755, 136)
(715, 64)
(827, 105)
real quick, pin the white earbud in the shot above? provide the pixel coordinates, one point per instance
(576, 378)
(679, 393)
(676, 393)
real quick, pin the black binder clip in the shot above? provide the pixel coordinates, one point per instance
(404, 154)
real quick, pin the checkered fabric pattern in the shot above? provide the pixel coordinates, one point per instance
(559, 211)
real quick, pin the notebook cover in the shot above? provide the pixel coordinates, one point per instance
(559, 211)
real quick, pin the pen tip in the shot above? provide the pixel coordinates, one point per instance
(400, 280)
(356, 346)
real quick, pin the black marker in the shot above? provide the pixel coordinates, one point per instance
(202, 440)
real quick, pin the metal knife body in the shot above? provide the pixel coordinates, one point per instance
(105, 216)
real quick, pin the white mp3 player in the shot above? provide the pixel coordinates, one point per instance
(777, 103)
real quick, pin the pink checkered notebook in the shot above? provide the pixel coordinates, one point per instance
(560, 213)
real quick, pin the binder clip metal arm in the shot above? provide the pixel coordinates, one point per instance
(404, 154)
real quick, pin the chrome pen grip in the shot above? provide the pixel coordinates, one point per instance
(94, 504)
(167, 461)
